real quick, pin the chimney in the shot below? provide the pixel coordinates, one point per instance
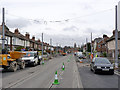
(105, 36)
(38, 40)
(113, 32)
(27, 35)
(33, 38)
(16, 31)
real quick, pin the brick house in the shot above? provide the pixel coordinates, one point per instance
(110, 43)
(101, 45)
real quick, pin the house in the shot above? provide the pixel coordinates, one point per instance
(96, 47)
(110, 43)
(101, 44)
(20, 40)
(39, 45)
(8, 36)
(17, 39)
(27, 42)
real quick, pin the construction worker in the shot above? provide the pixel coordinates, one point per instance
(91, 57)
(96, 55)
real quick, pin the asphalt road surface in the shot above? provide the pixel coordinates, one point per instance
(91, 80)
(42, 76)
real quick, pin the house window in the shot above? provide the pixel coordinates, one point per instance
(98, 46)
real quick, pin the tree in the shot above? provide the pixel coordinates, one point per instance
(88, 47)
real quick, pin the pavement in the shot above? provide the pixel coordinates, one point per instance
(42, 76)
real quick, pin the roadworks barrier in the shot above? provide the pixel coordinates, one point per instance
(56, 79)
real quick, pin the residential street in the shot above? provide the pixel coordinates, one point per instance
(42, 76)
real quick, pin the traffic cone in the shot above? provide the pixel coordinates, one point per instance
(63, 67)
(43, 62)
(68, 60)
(56, 79)
(81, 61)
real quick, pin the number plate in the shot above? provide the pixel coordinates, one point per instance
(105, 69)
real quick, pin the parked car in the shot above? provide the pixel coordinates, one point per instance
(80, 55)
(31, 58)
(100, 64)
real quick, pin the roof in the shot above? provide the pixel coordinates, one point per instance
(97, 39)
(113, 37)
(21, 36)
(7, 32)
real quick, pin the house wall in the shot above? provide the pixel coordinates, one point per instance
(111, 45)
(17, 41)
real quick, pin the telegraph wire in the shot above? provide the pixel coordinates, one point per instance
(59, 21)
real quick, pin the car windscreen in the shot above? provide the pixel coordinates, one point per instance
(29, 55)
(102, 61)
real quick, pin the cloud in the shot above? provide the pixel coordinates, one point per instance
(17, 23)
(72, 28)
(62, 40)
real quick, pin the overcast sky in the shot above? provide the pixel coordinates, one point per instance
(65, 21)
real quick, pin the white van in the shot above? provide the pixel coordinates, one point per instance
(31, 58)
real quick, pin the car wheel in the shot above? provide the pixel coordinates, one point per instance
(34, 64)
(13, 66)
(95, 72)
(38, 62)
(91, 69)
(22, 66)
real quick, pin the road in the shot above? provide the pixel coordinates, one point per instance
(42, 76)
(91, 80)
(75, 75)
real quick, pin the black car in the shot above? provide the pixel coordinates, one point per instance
(100, 64)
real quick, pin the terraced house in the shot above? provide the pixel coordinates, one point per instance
(17, 39)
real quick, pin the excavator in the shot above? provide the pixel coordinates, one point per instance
(11, 60)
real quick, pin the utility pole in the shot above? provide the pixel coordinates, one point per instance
(91, 45)
(3, 30)
(57, 48)
(86, 47)
(116, 39)
(50, 47)
(42, 46)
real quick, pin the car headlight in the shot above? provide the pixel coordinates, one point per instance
(98, 67)
(111, 67)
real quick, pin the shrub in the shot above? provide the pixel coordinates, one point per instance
(19, 48)
(104, 54)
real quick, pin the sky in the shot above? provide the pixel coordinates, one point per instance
(64, 21)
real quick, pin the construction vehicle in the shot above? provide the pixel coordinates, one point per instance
(12, 60)
(64, 52)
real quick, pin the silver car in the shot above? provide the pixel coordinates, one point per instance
(100, 64)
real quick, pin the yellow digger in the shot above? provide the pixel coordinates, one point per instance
(12, 60)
